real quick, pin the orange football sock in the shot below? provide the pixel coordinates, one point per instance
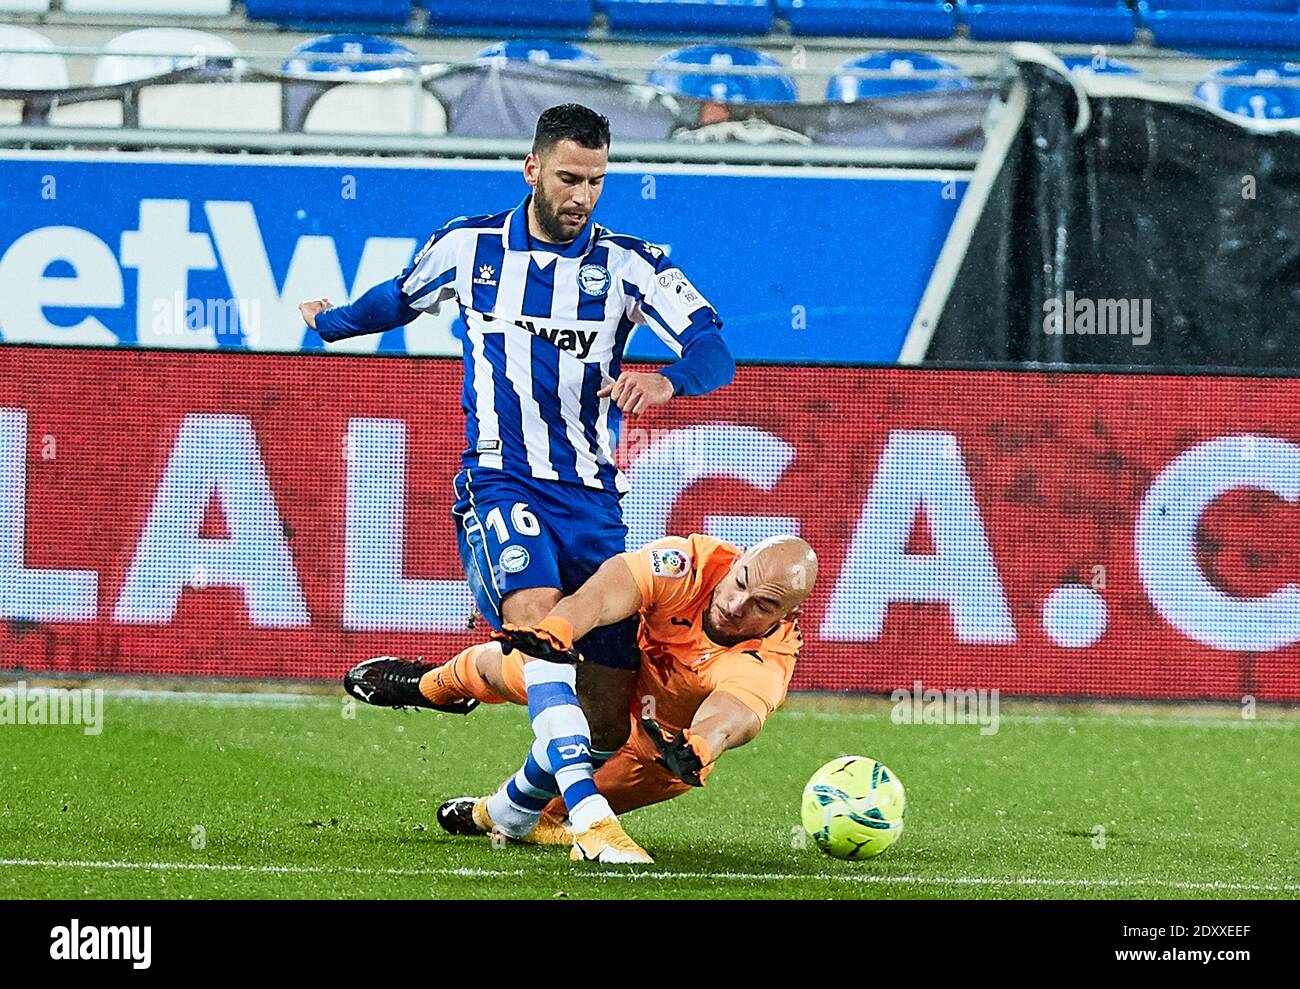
(460, 678)
(512, 672)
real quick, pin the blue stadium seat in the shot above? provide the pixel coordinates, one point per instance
(1096, 65)
(902, 65)
(691, 16)
(1260, 100)
(1079, 21)
(870, 18)
(351, 12)
(449, 16)
(314, 57)
(737, 87)
(1273, 24)
(537, 51)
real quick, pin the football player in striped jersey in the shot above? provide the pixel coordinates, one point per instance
(548, 299)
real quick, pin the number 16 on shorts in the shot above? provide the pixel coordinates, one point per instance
(506, 530)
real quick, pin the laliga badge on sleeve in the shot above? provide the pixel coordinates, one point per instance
(669, 563)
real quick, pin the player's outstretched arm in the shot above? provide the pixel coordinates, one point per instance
(722, 722)
(609, 595)
(380, 309)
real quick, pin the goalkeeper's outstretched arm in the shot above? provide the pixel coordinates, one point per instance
(608, 596)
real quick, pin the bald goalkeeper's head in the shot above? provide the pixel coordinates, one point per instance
(765, 586)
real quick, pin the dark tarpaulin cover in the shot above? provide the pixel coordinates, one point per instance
(1160, 201)
(504, 99)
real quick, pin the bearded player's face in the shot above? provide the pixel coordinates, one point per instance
(566, 179)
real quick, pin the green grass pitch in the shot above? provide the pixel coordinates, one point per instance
(222, 795)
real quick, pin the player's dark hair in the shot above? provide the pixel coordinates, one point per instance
(570, 122)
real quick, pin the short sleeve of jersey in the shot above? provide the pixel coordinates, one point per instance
(670, 571)
(757, 678)
(665, 572)
(430, 278)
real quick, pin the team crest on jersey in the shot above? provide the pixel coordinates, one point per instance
(513, 559)
(669, 563)
(487, 275)
(593, 279)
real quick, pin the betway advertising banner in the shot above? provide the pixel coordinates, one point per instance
(1070, 534)
(215, 252)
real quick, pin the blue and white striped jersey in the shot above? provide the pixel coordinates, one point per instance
(546, 326)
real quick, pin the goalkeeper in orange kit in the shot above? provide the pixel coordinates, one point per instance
(719, 641)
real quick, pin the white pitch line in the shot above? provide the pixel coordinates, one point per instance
(287, 699)
(223, 699)
(472, 873)
(1174, 721)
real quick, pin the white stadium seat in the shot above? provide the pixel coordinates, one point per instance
(212, 106)
(97, 113)
(167, 49)
(24, 6)
(373, 108)
(181, 8)
(28, 68)
(198, 105)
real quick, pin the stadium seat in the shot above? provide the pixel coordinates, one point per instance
(1080, 21)
(170, 8)
(92, 113)
(691, 16)
(452, 16)
(366, 108)
(214, 101)
(1098, 65)
(373, 97)
(537, 51)
(737, 87)
(319, 56)
(27, 68)
(902, 67)
(156, 51)
(352, 13)
(1250, 94)
(1194, 24)
(24, 6)
(870, 18)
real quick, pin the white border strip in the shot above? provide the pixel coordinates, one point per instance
(856, 878)
(901, 173)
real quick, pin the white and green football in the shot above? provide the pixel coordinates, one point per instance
(853, 807)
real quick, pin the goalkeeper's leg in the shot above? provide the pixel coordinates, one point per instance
(480, 672)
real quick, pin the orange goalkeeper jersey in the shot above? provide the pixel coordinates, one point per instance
(676, 577)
